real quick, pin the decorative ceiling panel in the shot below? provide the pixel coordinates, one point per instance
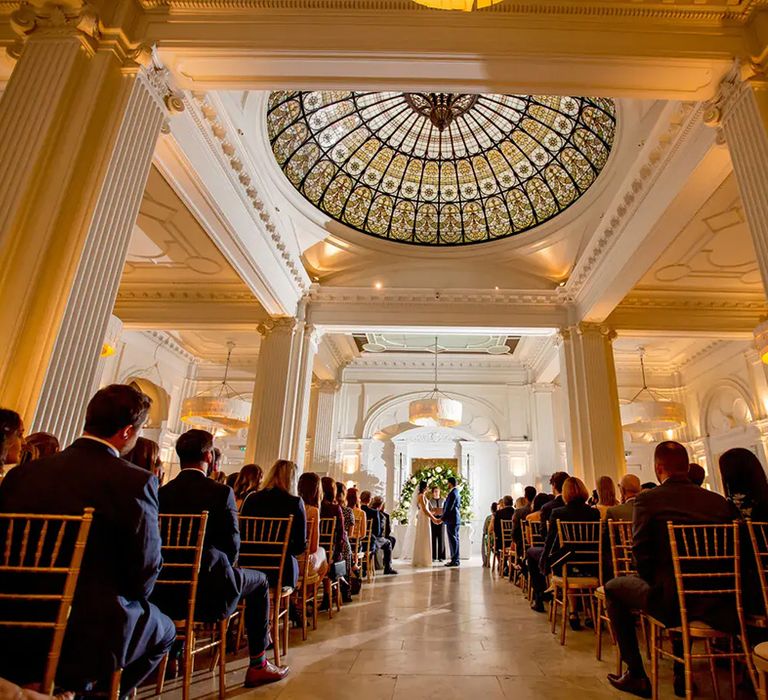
(440, 168)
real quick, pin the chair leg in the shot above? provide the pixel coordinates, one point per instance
(338, 596)
(654, 662)
(565, 617)
(223, 625)
(276, 628)
(761, 691)
(712, 669)
(114, 684)
(286, 629)
(189, 666)
(732, 650)
(689, 673)
(161, 668)
(599, 631)
(314, 606)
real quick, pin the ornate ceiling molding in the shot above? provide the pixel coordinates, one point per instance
(416, 363)
(361, 295)
(711, 11)
(223, 144)
(167, 341)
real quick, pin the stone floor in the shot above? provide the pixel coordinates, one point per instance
(440, 633)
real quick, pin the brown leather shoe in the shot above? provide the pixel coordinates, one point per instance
(637, 686)
(261, 676)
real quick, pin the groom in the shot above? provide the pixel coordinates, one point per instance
(452, 520)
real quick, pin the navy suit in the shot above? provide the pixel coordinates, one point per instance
(112, 623)
(452, 519)
(221, 585)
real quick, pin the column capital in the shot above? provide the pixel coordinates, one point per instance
(328, 386)
(72, 18)
(737, 85)
(279, 325)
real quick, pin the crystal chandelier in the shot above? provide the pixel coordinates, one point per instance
(435, 409)
(218, 408)
(465, 5)
(652, 414)
(441, 108)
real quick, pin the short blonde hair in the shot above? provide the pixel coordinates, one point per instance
(574, 489)
(282, 475)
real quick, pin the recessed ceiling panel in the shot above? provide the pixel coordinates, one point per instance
(440, 169)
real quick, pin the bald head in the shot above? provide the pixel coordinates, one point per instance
(670, 459)
(629, 486)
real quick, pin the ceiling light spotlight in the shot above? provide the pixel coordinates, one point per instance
(377, 285)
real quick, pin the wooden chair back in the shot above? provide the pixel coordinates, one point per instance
(582, 542)
(328, 536)
(264, 545)
(620, 541)
(534, 533)
(758, 535)
(507, 543)
(40, 559)
(182, 537)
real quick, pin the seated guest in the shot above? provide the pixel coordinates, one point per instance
(361, 519)
(744, 483)
(45, 444)
(538, 503)
(522, 512)
(247, 482)
(534, 554)
(648, 485)
(346, 547)
(11, 438)
(309, 492)
(606, 495)
(215, 468)
(488, 535)
(232, 479)
(654, 590)
(575, 496)
(219, 478)
(377, 532)
(277, 500)
(506, 512)
(346, 511)
(386, 521)
(144, 454)
(222, 585)
(330, 509)
(696, 474)
(112, 623)
(629, 488)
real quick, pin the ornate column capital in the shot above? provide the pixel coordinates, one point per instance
(326, 386)
(278, 325)
(587, 328)
(73, 18)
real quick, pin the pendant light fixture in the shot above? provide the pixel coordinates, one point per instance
(647, 412)
(464, 5)
(218, 408)
(435, 409)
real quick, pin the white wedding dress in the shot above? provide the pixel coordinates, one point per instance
(422, 545)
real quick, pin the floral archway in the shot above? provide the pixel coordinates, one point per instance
(435, 475)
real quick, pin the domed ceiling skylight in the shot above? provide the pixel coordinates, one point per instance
(440, 169)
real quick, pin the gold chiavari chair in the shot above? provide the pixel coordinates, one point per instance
(183, 536)
(581, 540)
(306, 593)
(331, 586)
(622, 564)
(507, 553)
(707, 565)
(264, 546)
(39, 566)
(532, 538)
(758, 536)
(368, 557)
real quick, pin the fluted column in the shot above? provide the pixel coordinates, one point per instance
(280, 406)
(545, 445)
(740, 112)
(78, 125)
(324, 448)
(587, 371)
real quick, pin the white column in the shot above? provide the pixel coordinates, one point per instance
(72, 371)
(546, 449)
(324, 449)
(589, 376)
(740, 110)
(281, 392)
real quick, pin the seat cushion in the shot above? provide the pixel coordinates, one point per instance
(760, 657)
(577, 581)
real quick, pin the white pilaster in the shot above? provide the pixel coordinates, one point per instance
(324, 453)
(546, 450)
(589, 376)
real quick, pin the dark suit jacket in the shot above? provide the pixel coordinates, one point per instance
(506, 513)
(546, 512)
(575, 511)
(220, 584)
(680, 501)
(122, 558)
(387, 524)
(276, 503)
(517, 527)
(374, 517)
(451, 515)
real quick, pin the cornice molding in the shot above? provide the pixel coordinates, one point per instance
(645, 174)
(184, 295)
(167, 341)
(680, 300)
(637, 9)
(364, 295)
(222, 143)
(380, 361)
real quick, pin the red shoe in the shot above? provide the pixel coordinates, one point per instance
(267, 674)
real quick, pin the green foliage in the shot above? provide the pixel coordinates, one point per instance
(434, 476)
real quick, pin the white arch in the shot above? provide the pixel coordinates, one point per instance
(730, 384)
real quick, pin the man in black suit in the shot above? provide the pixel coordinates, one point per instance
(521, 514)
(112, 623)
(377, 532)
(452, 518)
(386, 524)
(221, 585)
(653, 590)
(534, 554)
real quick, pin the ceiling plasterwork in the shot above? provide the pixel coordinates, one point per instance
(440, 169)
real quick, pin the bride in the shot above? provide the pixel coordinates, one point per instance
(418, 545)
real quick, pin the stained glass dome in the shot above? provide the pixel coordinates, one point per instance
(440, 169)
